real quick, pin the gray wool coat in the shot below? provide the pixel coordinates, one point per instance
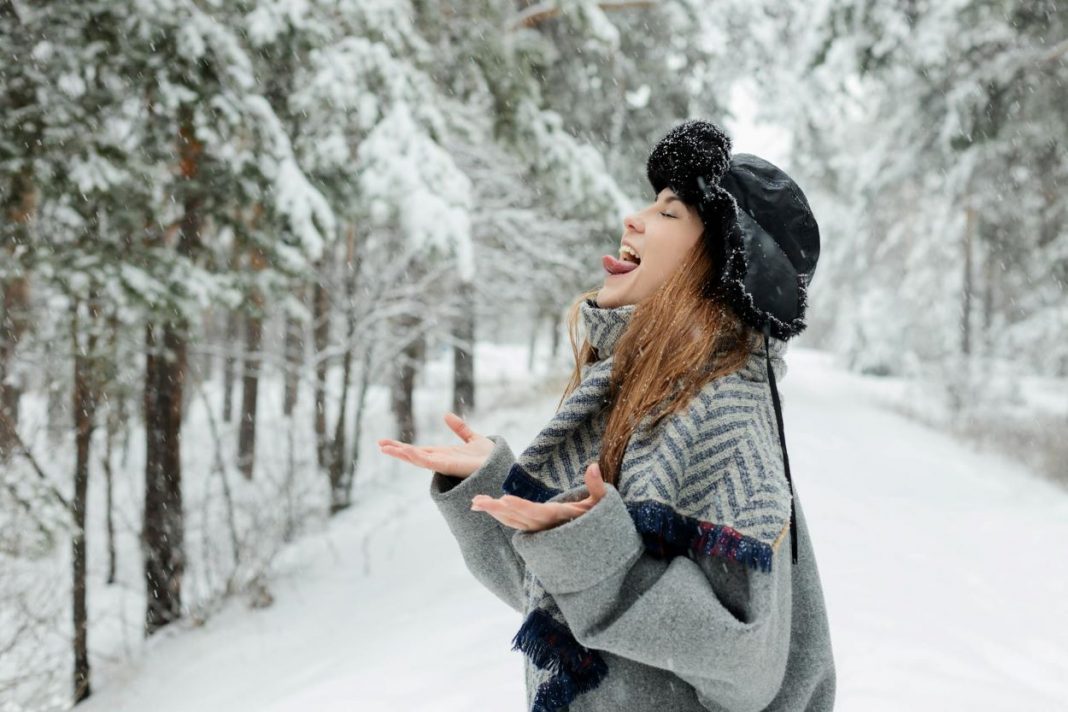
(696, 634)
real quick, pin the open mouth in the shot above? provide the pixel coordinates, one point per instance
(616, 266)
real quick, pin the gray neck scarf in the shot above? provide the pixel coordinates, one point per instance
(548, 467)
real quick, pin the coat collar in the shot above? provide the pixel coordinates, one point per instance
(756, 368)
(604, 326)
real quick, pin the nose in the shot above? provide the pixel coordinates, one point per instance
(632, 222)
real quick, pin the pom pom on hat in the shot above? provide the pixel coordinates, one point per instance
(690, 159)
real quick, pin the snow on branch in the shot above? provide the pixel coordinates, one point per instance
(309, 214)
(408, 181)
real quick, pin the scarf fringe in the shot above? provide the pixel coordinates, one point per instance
(667, 534)
(558, 692)
(551, 646)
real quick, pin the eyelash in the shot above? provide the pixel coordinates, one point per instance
(667, 215)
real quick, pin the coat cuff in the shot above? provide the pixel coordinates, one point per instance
(578, 554)
(453, 495)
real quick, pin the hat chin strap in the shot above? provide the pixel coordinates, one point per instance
(782, 440)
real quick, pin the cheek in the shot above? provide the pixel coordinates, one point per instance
(658, 266)
(667, 251)
(671, 255)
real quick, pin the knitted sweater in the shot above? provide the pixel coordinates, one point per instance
(672, 592)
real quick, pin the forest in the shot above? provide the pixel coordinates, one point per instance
(238, 236)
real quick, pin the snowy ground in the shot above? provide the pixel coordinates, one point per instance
(944, 572)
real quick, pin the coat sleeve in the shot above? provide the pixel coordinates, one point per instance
(717, 625)
(484, 541)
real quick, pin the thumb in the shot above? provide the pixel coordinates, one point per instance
(595, 481)
(460, 427)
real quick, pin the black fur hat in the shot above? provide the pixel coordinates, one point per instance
(757, 222)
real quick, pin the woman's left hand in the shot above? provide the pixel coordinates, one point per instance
(525, 515)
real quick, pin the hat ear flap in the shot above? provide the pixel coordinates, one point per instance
(719, 213)
(741, 278)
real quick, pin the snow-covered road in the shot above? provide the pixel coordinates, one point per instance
(944, 570)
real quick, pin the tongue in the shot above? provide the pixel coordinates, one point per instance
(615, 266)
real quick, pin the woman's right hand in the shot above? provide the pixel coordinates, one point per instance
(456, 460)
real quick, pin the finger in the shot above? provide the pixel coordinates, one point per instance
(594, 481)
(522, 506)
(552, 514)
(429, 448)
(512, 515)
(585, 505)
(417, 450)
(434, 461)
(393, 451)
(396, 450)
(571, 510)
(506, 518)
(460, 427)
(541, 515)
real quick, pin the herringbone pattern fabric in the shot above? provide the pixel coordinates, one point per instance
(707, 481)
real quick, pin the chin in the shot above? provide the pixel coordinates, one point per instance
(610, 301)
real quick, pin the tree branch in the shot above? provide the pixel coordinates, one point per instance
(547, 9)
(5, 421)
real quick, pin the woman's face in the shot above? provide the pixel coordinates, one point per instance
(662, 234)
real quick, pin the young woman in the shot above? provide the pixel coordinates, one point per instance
(643, 532)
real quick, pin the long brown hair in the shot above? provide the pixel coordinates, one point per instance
(678, 339)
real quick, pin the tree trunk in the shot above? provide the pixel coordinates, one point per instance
(960, 378)
(404, 381)
(294, 356)
(13, 325)
(463, 356)
(233, 328)
(163, 527)
(990, 275)
(968, 282)
(321, 326)
(109, 486)
(338, 465)
(230, 366)
(18, 210)
(115, 420)
(336, 457)
(246, 446)
(357, 430)
(84, 403)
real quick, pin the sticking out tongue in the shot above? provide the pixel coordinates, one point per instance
(617, 266)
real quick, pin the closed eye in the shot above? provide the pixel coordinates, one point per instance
(667, 215)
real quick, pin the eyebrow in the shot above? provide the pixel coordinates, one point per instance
(671, 198)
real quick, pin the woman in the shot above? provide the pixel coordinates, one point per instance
(654, 578)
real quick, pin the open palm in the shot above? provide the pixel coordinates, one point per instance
(456, 460)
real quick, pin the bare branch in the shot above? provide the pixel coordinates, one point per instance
(540, 11)
(6, 422)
